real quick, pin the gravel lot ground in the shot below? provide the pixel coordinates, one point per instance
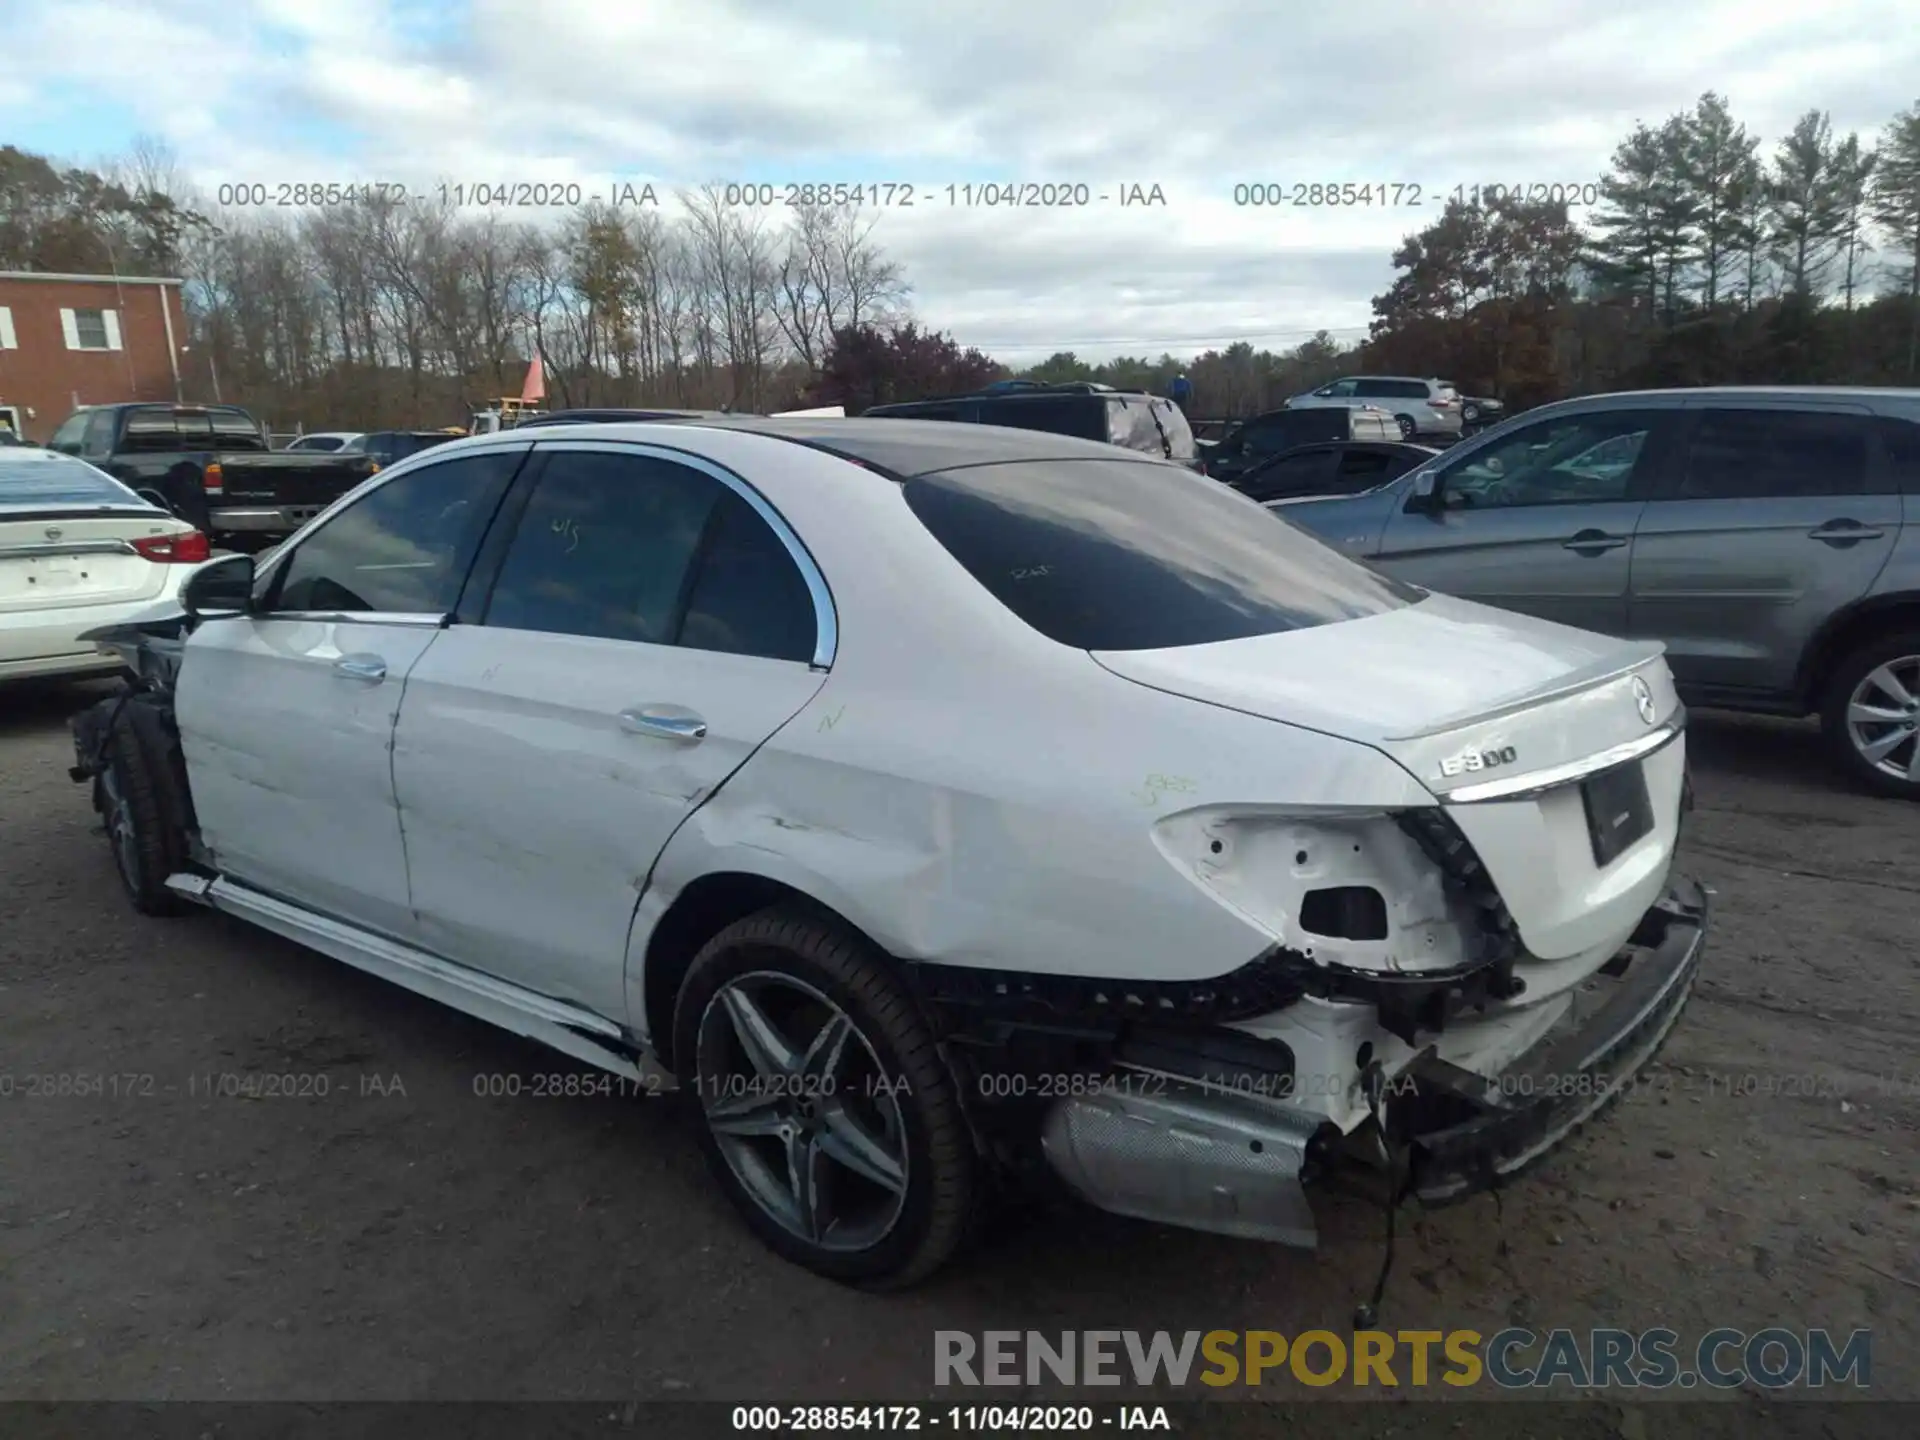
(404, 1238)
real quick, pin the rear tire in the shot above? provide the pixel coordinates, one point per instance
(1871, 714)
(892, 1106)
(1407, 428)
(147, 846)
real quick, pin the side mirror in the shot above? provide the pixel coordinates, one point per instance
(220, 587)
(1423, 495)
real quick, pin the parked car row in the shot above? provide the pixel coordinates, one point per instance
(212, 466)
(1420, 408)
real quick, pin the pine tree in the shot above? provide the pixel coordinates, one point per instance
(1895, 206)
(1717, 165)
(1805, 204)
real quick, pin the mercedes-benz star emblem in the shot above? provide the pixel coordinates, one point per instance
(1643, 699)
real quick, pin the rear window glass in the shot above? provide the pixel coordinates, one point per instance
(40, 482)
(1129, 554)
(235, 430)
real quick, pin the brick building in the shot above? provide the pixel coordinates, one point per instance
(68, 340)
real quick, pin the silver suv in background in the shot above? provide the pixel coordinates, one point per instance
(1769, 537)
(1429, 408)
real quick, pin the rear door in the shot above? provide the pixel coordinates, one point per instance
(1541, 521)
(286, 713)
(1774, 519)
(650, 624)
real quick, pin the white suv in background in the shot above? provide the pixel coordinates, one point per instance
(1423, 408)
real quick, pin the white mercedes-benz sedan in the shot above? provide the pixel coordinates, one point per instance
(937, 807)
(78, 550)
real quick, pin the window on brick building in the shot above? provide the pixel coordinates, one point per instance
(91, 329)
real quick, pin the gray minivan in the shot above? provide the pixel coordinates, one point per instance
(1770, 537)
(1138, 421)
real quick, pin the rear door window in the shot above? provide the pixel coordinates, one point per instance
(1127, 554)
(1775, 454)
(646, 550)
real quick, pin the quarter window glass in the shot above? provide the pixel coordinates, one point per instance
(1774, 454)
(748, 597)
(1581, 459)
(604, 548)
(404, 547)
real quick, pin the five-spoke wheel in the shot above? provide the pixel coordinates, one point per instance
(830, 1116)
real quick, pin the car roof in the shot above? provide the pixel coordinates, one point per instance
(897, 449)
(1877, 398)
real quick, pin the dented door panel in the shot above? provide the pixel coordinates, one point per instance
(533, 812)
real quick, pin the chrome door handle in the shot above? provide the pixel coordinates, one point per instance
(361, 667)
(669, 725)
(1593, 542)
(1842, 531)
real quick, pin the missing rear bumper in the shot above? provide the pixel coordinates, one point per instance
(1233, 1156)
(1466, 1133)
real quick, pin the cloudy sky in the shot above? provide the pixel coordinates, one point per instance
(1195, 98)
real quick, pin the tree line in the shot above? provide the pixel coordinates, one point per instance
(1710, 258)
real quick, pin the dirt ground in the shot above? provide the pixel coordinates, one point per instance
(402, 1237)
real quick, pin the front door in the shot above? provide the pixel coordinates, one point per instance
(1541, 522)
(1775, 520)
(648, 629)
(286, 715)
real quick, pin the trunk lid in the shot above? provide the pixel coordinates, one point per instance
(57, 561)
(1504, 719)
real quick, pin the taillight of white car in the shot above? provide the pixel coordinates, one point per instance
(190, 548)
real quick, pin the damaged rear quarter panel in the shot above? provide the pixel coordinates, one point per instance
(967, 791)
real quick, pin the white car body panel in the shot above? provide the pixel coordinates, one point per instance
(533, 874)
(294, 788)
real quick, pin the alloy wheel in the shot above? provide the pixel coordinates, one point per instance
(1883, 718)
(802, 1110)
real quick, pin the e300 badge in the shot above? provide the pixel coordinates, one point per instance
(1468, 761)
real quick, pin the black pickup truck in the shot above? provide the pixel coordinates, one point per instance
(212, 466)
